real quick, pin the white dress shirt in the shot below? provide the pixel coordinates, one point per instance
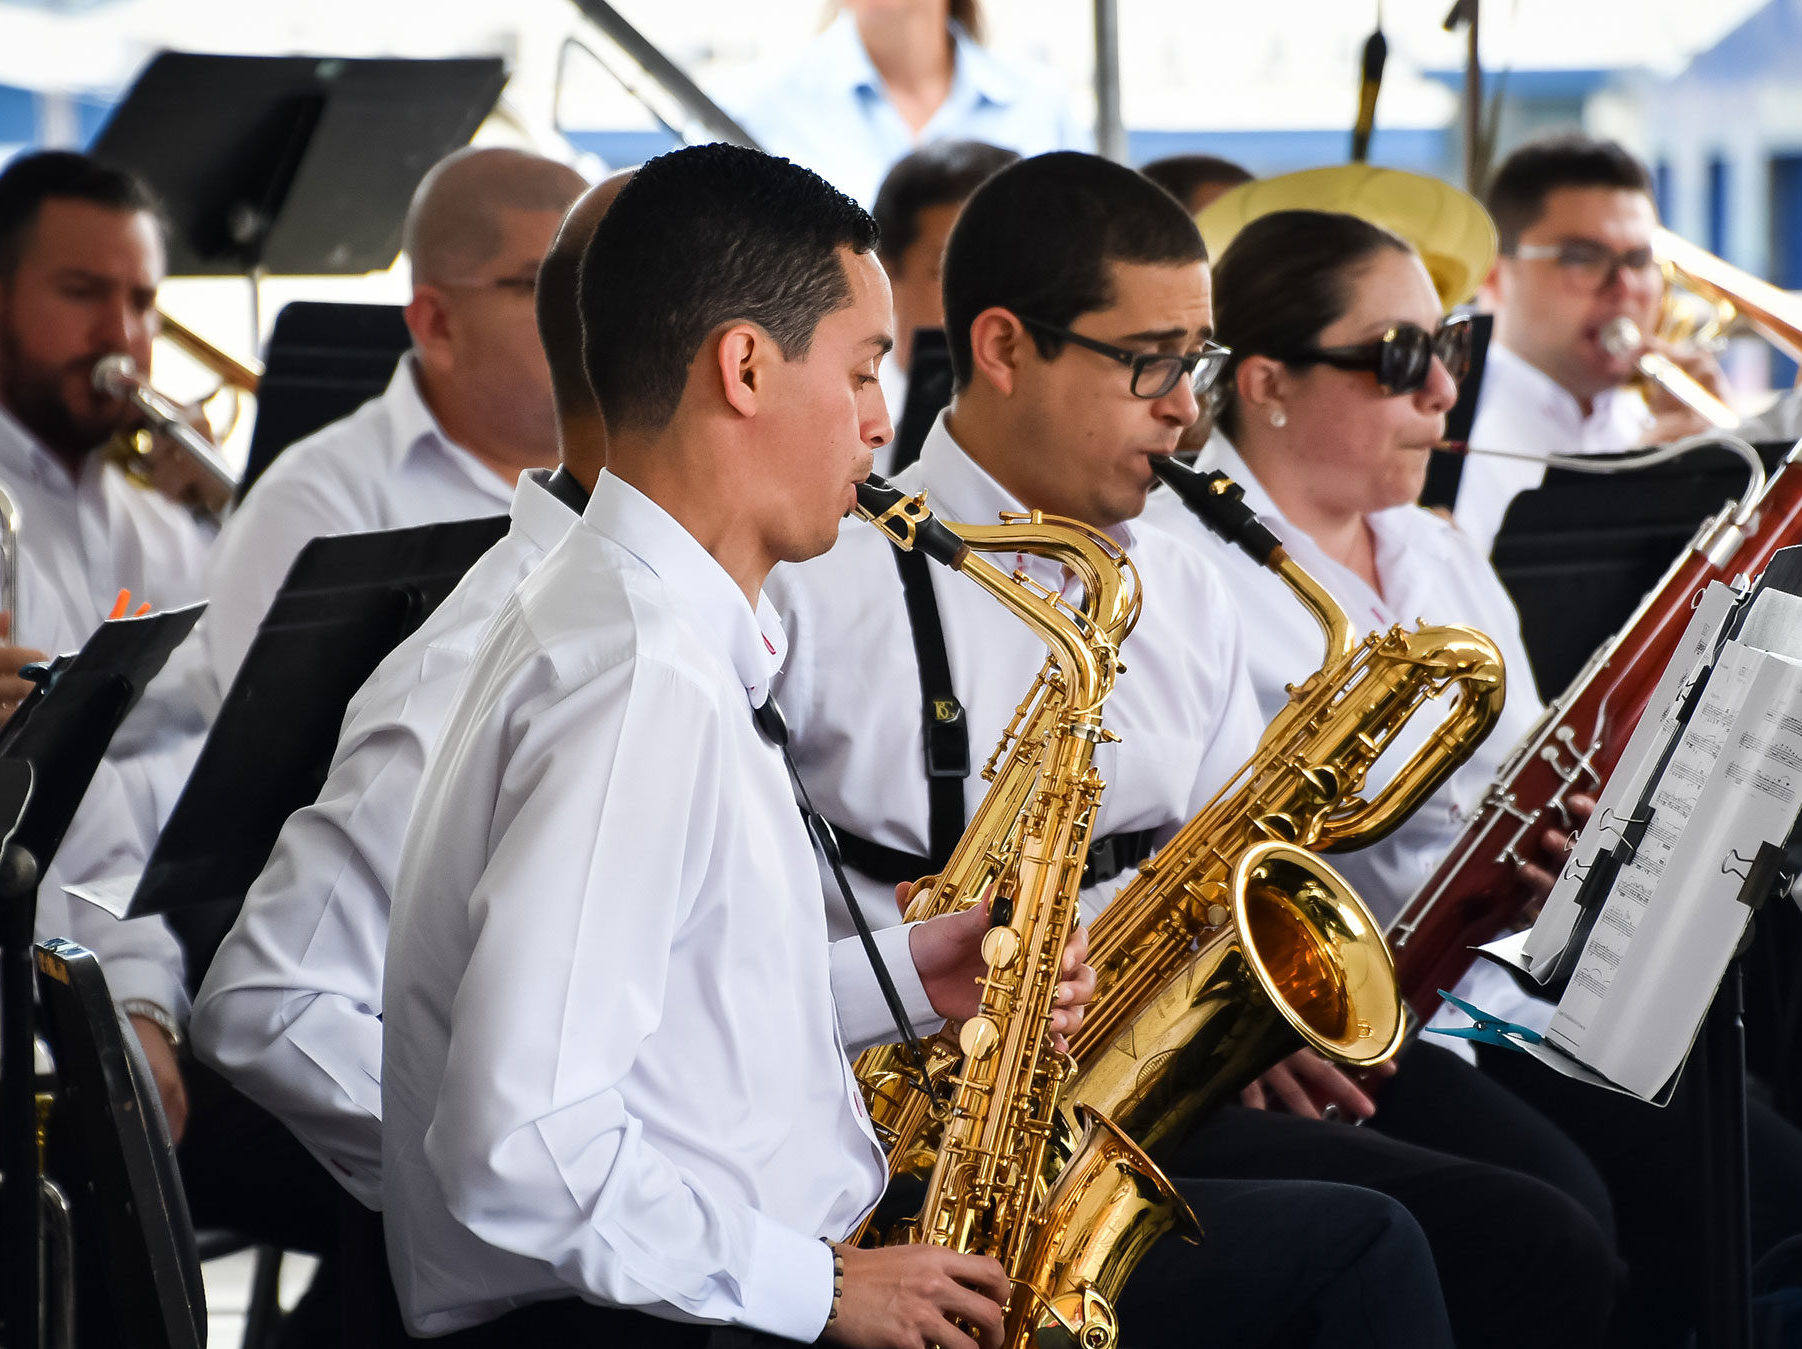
(1184, 708)
(615, 1040)
(1430, 573)
(291, 1010)
(829, 110)
(386, 466)
(1522, 409)
(83, 539)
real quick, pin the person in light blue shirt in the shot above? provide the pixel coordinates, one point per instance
(887, 76)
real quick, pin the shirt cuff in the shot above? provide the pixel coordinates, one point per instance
(131, 977)
(863, 1013)
(788, 1291)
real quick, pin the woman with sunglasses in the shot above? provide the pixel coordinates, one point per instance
(1341, 375)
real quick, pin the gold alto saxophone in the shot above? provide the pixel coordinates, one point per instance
(985, 850)
(1235, 943)
(1067, 1252)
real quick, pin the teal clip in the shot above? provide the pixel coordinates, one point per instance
(1485, 1029)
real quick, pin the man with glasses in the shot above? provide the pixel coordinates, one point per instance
(1575, 218)
(1078, 351)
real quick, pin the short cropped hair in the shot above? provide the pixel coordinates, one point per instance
(1518, 191)
(944, 173)
(1039, 237)
(454, 223)
(702, 237)
(1285, 278)
(31, 180)
(1181, 175)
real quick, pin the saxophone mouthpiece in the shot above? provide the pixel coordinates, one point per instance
(907, 522)
(1219, 503)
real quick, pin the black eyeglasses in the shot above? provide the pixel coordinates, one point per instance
(1154, 373)
(1401, 358)
(1589, 263)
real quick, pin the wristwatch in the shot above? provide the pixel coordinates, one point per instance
(154, 1014)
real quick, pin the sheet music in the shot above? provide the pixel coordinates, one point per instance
(1672, 921)
(1621, 794)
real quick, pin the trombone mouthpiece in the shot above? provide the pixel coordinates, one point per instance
(1621, 337)
(116, 375)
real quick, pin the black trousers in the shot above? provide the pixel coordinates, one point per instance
(1285, 1265)
(1520, 1260)
(1649, 1159)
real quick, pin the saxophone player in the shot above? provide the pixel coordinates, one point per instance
(615, 1091)
(1079, 308)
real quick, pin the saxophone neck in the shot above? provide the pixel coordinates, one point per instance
(1335, 626)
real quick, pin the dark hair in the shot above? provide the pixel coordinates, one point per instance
(560, 323)
(1517, 192)
(944, 173)
(31, 180)
(1284, 278)
(1181, 175)
(1037, 240)
(704, 236)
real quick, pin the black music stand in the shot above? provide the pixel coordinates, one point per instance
(323, 362)
(1579, 552)
(348, 600)
(300, 165)
(49, 751)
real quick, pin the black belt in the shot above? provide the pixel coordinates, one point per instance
(1108, 857)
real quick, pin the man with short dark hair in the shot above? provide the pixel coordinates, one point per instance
(1574, 218)
(614, 1064)
(915, 209)
(1197, 181)
(81, 257)
(1076, 351)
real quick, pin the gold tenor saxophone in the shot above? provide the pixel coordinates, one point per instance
(1067, 1252)
(1235, 941)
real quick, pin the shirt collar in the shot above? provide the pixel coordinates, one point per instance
(411, 419)
(843, 53)
(537, 513)
(991, 80)
(962, 490)
(752, 643)
(23, 455)
(1553, 399)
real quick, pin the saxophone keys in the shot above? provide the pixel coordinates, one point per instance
(1000, 947)
(980, 1036)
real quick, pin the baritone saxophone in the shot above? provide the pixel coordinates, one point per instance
(1067, 1252)
(1236, 944)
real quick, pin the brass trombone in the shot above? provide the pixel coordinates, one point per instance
(1704, 297)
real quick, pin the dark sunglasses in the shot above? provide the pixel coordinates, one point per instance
(1401, 358)
(1154, 374)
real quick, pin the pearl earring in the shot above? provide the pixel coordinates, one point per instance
(1279, 418)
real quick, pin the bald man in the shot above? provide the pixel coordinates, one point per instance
(291, 1008)
(468, 410)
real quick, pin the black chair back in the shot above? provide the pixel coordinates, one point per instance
(135, 1242)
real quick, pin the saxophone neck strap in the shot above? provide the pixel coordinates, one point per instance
(945, 731)
(773, 727)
